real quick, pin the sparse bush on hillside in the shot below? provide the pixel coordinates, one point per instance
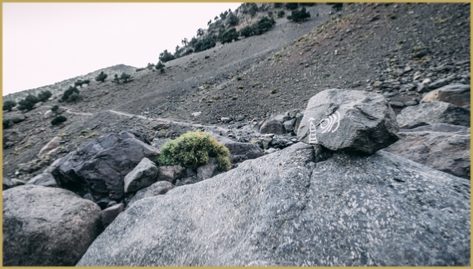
(68, 93)
(160, 66)
(28, 103)
(247, 31)
(299, 15)
(187, 52)
(265, 24)
(193, 149)
(166, 56)
(6, 123)
(193, 41)
(204, 44)
(277, 5)
(336, 6)
(101, 77)
(116, 79)
(44, 95)
(54, 108)
(58, 119)
(126, 77)
(291, 6)
(281, 14)
(229, 36)
(8, 105)
(249, 8)
(73, 97)
(307, 4)
(232, 20)
(79, 83)
(200, 32)
(223, 15)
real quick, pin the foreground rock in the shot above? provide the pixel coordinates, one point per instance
(435, 112)
(440, 146)
(47, 226)
(101, 165)
(283, 209)
(348, 120)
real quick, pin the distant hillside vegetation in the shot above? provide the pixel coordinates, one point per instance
(59, 87)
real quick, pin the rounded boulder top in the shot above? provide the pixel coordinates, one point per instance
(349, 120)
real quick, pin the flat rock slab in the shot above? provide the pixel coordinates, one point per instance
(435, 112)
(284, 209)
(47, 226)
(348, 120)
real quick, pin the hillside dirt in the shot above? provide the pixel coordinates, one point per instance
(383, 48)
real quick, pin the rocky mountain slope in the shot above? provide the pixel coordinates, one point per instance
(409, 67)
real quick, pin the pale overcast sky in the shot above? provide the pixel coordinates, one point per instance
(44, 43)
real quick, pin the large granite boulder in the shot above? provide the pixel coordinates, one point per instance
(284, 209)
(440, 146)
(47, 226)
(435, 112)
(348, 120)
(100, 166)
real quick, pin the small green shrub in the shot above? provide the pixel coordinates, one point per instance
(101, 77)
(193, 149)
(8, 105)
(44, 95)
(6, 123)
(54, 108)
(58, 119)
(67, 93)
(28, 103)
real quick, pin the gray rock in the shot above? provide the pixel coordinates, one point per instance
(109, 214)
(8, 183)
(100, 166)
(438, 83)
(208, 170)
(105, 202)
(158, 188)
(273, 125)
(289, 125)
(240, 151)
(44, 179)
(15, 117)
(457, 94)
(396, 104)
(226, 119)
(412, 125)
(52, 145)
(142, 176)
(438, 127)
(412, 103)
(348, 120)
(284, 210)
(47, 226)
(435, 112)
(443, 147)
(171, 173)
